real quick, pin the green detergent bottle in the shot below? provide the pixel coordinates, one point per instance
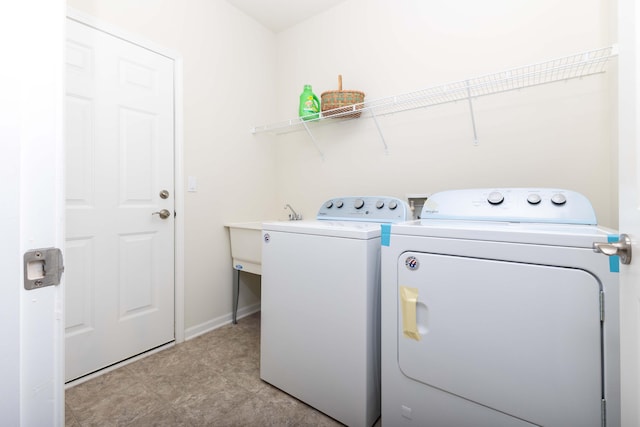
(309, 104)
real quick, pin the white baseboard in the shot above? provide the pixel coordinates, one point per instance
(212, 324)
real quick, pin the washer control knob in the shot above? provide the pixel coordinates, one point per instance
(358, 204)
(495, 198)
(534, 199)
(380, 204)
(339, 204)
(328, 205)
(393, 204)
(558, 199)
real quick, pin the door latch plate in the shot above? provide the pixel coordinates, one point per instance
(42, 267)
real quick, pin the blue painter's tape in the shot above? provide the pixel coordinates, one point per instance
(614, 260)
(385, 236)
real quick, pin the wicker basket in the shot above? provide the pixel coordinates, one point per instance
(341, 101)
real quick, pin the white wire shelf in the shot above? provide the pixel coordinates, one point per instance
(574, 66)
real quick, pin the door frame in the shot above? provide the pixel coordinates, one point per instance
(178, 150)
(628, 175)
(32, 187)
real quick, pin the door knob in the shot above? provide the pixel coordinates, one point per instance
(621, 248)
(164, 214)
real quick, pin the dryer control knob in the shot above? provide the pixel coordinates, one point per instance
(358, 204)
(380, 204)
(558, 199)
(534, 199)
(328, 205)
(339, 204)
(393, 205)
(495, 198)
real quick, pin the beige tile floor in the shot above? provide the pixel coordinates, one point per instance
(211, 380)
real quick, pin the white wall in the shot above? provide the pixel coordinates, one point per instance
(238, 74)
(229, 70)
(560, 135)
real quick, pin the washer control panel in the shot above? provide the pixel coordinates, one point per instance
(546, 205)
(365, 208)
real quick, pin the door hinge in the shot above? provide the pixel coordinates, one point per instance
(603, 412)
(602, 306)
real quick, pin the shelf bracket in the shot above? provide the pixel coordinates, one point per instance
(306, 127)
(473, 119)
(375, 120)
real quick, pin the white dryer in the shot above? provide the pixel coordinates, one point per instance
(320, 321)
(496, 311)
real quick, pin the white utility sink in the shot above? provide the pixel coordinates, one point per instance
(246, 246)
(246, 254)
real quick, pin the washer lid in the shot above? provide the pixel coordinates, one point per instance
(345, 229)
(535, 205)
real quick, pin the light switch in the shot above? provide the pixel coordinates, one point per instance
(192, 184)
(406, 412)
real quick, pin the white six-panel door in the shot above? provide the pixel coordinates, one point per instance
(119, 157)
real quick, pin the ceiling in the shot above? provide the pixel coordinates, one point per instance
(278, 15)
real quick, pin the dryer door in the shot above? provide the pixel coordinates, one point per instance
(522, 339)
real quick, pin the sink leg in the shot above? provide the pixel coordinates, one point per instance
(236, 294)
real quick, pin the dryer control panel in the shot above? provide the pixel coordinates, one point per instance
(365, 209)
(543, 205)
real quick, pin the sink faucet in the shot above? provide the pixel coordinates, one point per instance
(293, 216)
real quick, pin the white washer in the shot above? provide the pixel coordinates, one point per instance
(320, 322)
(496, 311)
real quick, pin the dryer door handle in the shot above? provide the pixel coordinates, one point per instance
(622, 248)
